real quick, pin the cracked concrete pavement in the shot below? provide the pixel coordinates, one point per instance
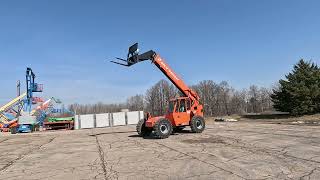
(238, 150)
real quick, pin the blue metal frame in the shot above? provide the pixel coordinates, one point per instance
(31, 87)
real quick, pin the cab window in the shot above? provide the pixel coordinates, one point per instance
(188, 105)
(182, 107)
(171, 106)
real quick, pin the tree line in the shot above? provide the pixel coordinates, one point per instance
(298, 93)
(217, 98)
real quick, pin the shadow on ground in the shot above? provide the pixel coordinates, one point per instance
(152, 136)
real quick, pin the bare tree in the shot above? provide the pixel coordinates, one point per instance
(135, 103)
(225, 97)
(265, 97)
(239, 102)
(207, 91)
(96, 108)
(158, 96)
(217, 98)
(253, 99)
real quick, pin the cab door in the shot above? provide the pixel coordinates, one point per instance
(182, 112)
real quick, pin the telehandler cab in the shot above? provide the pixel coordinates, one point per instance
(183, 111)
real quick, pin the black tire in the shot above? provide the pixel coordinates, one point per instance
(142, 130)
(162, 128)
(13, 130)
(178, 129)
(197, 124)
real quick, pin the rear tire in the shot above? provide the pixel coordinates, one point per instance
(162, 128)
(142, 129)
(197, 124)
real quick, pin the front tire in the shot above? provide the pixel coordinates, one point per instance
(197, 124)
(142, 129)
(162, 128)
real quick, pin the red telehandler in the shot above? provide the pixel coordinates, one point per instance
(183, 111)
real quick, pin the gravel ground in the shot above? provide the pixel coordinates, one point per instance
(237, 150)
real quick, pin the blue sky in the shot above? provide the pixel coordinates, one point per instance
(68, 43)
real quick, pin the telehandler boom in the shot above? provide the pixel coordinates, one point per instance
(183, 111)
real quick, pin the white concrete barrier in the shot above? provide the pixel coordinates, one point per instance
(141, 114)
(133, 117)
(102, 120)
(76, 122)
(119, 119)
(107, 119)
(87, 121)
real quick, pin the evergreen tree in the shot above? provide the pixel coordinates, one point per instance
(299, 93)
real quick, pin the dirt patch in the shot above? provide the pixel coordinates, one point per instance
(216, 140)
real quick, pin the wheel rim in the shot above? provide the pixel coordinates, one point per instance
(199, 125)
(164, 129)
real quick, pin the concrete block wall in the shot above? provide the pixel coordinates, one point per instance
(76, 122)
(141, 115)
(119, 119)
(103, 120)
(87, 121)
(133, 117)
(107, 119)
